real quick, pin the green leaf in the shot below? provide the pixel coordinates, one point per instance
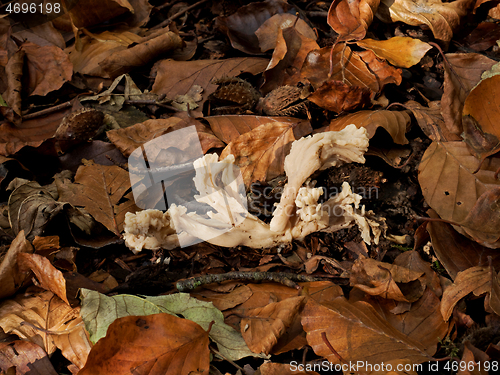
(99, 311)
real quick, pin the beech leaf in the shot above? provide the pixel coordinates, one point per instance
(153, 344)
(474, 279)
(99, 311)
(177, 77)
(260, 154)
(450, 186)
(99, 189)
(350, 19)
(228, 128)
(441, 18)
(396, 123)
(399, 51)
(262, 327)
(357, 333)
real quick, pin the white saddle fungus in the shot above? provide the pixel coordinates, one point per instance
(230, 224)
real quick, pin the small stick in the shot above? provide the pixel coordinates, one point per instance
(46, 111)
(169, 20)
(286, 278)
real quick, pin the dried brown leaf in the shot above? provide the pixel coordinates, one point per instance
(386, 280)
(32, 132)
(353, 68)
(11, 278)
(48, 276)
(357, 333)
(153, 344)
(483, 106)
(455, 252)
(242, 25)
(93, 12)
(475, 279)
(177, 77)
(350, 19)
(268, 33)
(400, 51)
(396, 123)
(462, 72)
(339, 97)
(288, 58)
(98, 188)
(26, 357)
(260, 154)
(60, 326)
(449, 184)
(229, 128)
(14, 73)
(262, 327)
(431, 121)
(48, 68)
(441, 18)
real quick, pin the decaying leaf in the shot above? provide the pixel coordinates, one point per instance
(241, 26)
(450, 186)
(59, 325)
(396, 123)
(400, 51)
(177, 77)
(99, 311)
(348, 66)
(441, 18)
(97, 188)
(260, 153)
(350, 19)
(386, 280)
(474, 279)
(288, 57)
(11, 278)
(229, 128)
(262, 327)
(48, 68)
(456, 252)
(483, 106)
(25, 357)
(338, 97)
(462, 72)
(47, 275)
(352, 330)
(159, 343)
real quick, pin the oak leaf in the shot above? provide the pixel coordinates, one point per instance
(153, 344)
